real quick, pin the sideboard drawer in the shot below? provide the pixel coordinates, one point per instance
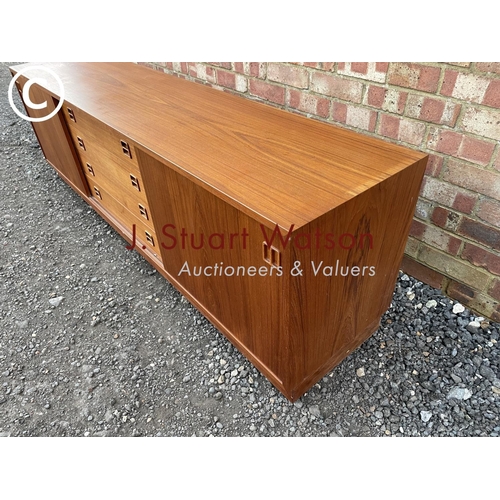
(100, 141)
(145, 235)
(124, 185)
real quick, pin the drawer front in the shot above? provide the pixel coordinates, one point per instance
(100, 140)
(126, 186)
(145, 236)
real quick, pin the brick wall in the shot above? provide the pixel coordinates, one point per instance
(449, 110)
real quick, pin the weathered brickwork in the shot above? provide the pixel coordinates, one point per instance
(449, 110)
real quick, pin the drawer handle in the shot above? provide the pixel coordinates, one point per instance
(90, 169)
(149, 238)
(126, 149)
(81, 143)
(144, 211)
(271, 255)
(71, 114)
(135, 182)
(97, 193)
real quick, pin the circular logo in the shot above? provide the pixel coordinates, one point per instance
(26, 94)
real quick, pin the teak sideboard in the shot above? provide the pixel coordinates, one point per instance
(285, 232)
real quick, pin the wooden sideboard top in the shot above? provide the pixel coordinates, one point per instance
(280, 167)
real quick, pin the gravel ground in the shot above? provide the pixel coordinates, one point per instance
(95, 342)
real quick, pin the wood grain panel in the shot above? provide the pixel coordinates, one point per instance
(250, 308)
(330, 316)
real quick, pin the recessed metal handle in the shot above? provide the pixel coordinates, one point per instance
(71, 114)
(271, 254)
(135, 182)
(126, 148)
(143, 211)
(90, 169)
(81, 143)
(149, 238)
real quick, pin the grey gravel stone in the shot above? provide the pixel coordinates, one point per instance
(314, 410)
(474, 327)
(487, 372)
(425, 416)
(55, 301)
(459, 393)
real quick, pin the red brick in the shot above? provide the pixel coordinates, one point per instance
(480, 232)
(488, 67)
(267, 91)
(494, 290)
(492, 95)
(376, 96)
(434, 165)
(226, 79)
(473, 179)
(288, 75)
(489, 211)
(476, 150)
(446, 141)
(449, 80)
(414, 76)
(432, 110)
(439, 111)
(482, 258)
(404, 130)
(445, 218)
(437, 238)
(463, 293)
(336, 86)
(339, 112)
(496, 162)
(390, 100)
(389, 126)
(417, 229)
(341, 66)
(315, 65)
(328, 66)
(461, 146)
(464, 202)
(308, 103)
(257, 69)
(421, 272)
(239, 67)
(382, 67)
(359, 67)
(448, 194)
